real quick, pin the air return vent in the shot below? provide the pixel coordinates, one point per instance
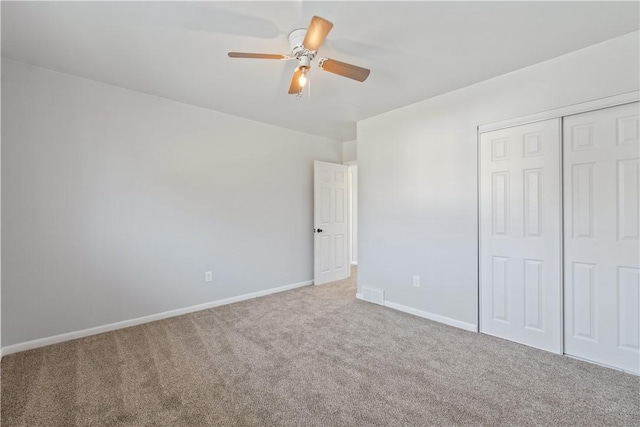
(375, 296)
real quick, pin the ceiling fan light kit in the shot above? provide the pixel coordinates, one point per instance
(304, 43)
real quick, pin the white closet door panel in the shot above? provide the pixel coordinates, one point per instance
(601, 217)
(520, 264)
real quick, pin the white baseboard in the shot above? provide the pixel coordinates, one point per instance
(431, 316)
(42, 342)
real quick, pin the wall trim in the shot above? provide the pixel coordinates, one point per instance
(432, 316)
(596, 104)
(354, 262)
(427, 315)
(55, 339)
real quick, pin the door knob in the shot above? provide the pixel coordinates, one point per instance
(317, 230)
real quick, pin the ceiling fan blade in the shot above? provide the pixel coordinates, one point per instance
(258, 55)
(295, 88)
(343, 69)
(316, 33)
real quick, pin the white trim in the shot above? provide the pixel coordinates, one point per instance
(42, 342)
(431, 316)
(596, 104)
(354, 262)
(351, 163)
(329, 283)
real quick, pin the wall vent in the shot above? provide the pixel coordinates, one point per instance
(375, 296)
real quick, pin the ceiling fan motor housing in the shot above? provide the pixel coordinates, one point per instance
(296, 38)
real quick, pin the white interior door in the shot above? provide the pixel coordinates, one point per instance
(601, 216)
(520, 236)
(331, 238)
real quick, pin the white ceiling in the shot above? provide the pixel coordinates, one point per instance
(415, 50)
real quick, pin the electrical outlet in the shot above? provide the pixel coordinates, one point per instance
(208, 276)
(416, 281)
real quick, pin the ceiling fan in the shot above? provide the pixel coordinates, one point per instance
(304, 47)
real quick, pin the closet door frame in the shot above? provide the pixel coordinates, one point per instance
(558, 113)
(583, 107)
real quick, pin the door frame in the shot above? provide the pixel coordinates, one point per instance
(556, 113)
(350, 224)
(569, 110)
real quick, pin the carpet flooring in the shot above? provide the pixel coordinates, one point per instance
(311, 356)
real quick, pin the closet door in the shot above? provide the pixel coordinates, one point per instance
(520, 236)
(601, 217)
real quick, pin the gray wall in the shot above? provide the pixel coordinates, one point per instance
(116, 202)
(350, 151)
(417, 172)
